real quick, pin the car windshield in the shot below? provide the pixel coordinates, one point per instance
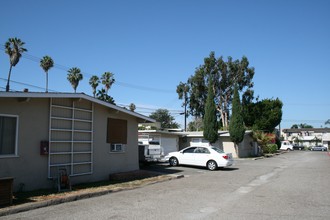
(218, 150)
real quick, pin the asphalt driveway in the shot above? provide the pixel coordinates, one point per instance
(294, 185)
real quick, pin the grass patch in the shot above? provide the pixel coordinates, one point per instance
(117, 182)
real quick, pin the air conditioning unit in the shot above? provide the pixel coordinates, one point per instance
(116, 147)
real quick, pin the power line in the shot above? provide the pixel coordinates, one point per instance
(65, 68)
(26, 84)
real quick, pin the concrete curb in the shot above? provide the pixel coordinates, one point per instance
(70, 198)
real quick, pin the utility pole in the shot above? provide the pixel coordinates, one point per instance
(185, 113)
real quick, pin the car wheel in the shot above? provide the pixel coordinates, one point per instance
(174, 161)
(288, 149)
(212, 165)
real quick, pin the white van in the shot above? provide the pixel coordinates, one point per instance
(286, 145)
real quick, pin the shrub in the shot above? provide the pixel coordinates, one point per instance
(270, 149)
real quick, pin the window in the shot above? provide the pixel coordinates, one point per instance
(189, 150)
(201, 150)
(8, 135)
(117, 134)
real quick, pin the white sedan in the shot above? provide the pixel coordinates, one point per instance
(206, 156)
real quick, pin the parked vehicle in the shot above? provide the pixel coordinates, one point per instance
(205, 156)
(150, 152)
(286, 145)
(298, 147)
(150, 149)
(319, 148)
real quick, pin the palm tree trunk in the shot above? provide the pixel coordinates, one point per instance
(7, 86)
(47, 81)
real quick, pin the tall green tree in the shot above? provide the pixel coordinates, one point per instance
(236, 125)
(210, 132)
(263, 115)
(107, 80)
(46, 64)
(165, 118)
(14, 47)
(74, 77)
(94, 83)
(226, 74)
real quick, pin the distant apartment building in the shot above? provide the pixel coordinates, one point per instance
(307, 136)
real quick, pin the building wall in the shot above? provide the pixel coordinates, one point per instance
(30, 169)
(106, 162)
(246, 148)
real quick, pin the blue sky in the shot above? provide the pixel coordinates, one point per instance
(151, 46)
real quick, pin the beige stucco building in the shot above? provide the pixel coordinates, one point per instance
(43, 133)
(177, 140)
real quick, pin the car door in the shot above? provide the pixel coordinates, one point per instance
(201, 156)
(187, 156)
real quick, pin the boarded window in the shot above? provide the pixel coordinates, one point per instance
(117, 131)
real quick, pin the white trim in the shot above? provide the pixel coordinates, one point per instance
(16, 137)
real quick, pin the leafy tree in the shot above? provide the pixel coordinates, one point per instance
(74, 77)
(94, 83)
(196, 124)
(102, 95)
(225, 75)
(46, 63)
(14, 48)
(107, 80)
(305, 126)
(295, 126)
(132, 107)
(236, 125)
(210, 132)
(263, 115)
(164, 117)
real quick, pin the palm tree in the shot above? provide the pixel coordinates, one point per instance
(132, 107)
(94, 82)
(74, 76)
(107, 80)
(14, 48)
(46, 63)
(102, 95)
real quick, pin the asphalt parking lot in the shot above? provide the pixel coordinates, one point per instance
(293, 185)
(184, 170)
